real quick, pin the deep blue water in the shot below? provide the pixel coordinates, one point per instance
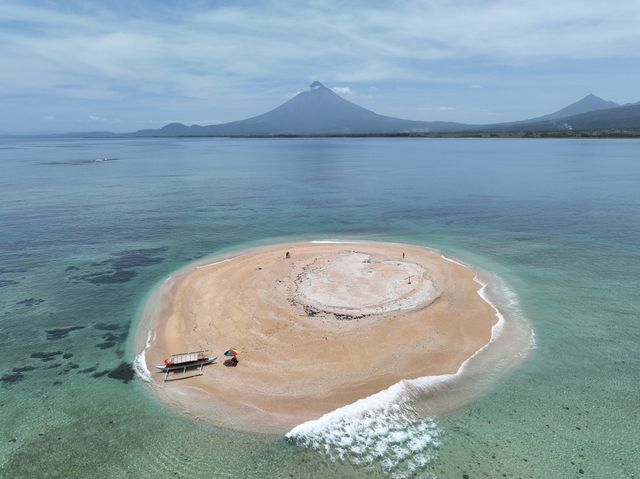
(82, 243)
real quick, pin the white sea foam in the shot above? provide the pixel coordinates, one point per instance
(213, 262)
(394, 430)
(330, 241)
(451, 260)
(140, 362)
(380, 431)
(498, 327)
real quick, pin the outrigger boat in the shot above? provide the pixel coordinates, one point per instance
(184, 361)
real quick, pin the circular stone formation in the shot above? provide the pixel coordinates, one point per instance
(355, 284)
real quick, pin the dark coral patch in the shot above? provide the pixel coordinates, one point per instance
(136, 258)
(119, 266)
(133, 258)
(23, 369)
(7, 282)
(115, 337)
(124, 372)
(68, 367)
(31, 301)
(60, 333)
(99, 374)
(111, 337)
(107, 326)
(109, 277)
(67, 355)
(11, 378)
(13, 270)
(45, 355)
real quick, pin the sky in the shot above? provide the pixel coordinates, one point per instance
(124, 66)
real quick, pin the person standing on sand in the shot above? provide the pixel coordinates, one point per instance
(287, 255)
(403, 255)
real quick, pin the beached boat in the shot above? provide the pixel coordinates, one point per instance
(184, 361)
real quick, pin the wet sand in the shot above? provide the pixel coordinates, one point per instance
(334, 323)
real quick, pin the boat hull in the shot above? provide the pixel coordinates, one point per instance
(188, 365)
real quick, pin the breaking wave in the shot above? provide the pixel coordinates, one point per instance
(382, 432)
(395, 431)
(140, 361)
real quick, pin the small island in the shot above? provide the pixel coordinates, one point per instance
(316, 326)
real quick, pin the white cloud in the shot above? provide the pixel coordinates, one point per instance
(205, 53)
(229, 56)
(48, 117)
(343, 90)
(446, 108)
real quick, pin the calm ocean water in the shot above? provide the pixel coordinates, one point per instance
(83, 242)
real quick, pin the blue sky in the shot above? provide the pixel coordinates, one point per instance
(124, 66)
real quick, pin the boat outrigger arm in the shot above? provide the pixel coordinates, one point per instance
(184, 361)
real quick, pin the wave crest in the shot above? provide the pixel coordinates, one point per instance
(380, 432)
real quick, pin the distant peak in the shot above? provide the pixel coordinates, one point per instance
(595, 99)
(317, 85)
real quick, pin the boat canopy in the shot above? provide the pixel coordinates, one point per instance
(188, 357)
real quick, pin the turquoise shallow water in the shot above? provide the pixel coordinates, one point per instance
(82, 243)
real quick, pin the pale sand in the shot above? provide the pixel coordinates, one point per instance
(335, 323)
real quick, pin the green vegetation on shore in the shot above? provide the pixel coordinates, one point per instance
(462, 134)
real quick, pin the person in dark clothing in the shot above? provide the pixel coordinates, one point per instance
(231, 362)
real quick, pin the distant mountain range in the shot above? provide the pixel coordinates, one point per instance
(589, 113)
(319, 111)
(620, 118)
(585, 105)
